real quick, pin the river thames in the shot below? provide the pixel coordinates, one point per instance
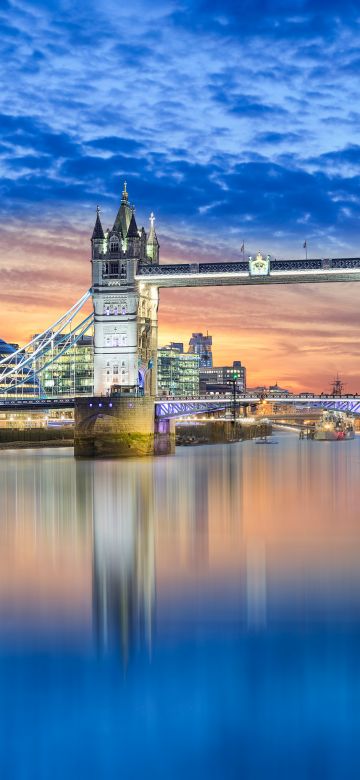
(191, 616)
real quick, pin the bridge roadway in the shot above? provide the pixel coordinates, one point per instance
(346, 269)
(171, 407)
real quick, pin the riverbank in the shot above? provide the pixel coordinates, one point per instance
(29, 438)
(191, 434)
(36, 445)
(219, 432)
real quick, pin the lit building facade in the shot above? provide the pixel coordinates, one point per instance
(177, 372)
(223, 375)
(21, 383)
(202, 345)
(69, 374)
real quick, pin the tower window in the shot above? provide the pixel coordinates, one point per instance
(114, 269)
(114, 245)
(122, 271)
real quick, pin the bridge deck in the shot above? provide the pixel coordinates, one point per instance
(171, 406)
(225, 274)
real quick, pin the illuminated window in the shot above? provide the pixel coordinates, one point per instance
(114, 245)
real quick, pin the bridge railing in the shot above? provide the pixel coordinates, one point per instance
(243, 267)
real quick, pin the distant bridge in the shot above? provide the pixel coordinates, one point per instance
(172, 408)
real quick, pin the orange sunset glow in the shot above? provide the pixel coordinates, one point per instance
(297, 335)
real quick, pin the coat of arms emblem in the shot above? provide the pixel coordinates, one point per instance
(259, 265)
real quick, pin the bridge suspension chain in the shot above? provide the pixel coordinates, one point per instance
(41, 340)
(68, 343)
(18, 368)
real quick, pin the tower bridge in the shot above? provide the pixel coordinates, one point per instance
(126, 278)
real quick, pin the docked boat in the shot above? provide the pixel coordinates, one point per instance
(334, 426)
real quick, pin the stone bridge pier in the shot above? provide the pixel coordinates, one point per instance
(108, 427)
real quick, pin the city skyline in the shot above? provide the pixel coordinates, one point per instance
(88, 111)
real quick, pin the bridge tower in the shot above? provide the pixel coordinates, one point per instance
(125, 312)
(125, 345)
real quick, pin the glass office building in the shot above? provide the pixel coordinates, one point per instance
(71, 373)
(202, 345)
(222, 376)
(16, 381)
(178, 372)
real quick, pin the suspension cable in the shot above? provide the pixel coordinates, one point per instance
(64, 320)
(82, 327)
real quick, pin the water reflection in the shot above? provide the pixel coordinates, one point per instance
(262, 530)
(123, 556)
(202, 601)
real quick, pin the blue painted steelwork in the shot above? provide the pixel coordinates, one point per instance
(341, 405)
(175, 409)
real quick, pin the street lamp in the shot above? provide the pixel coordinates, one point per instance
(233, 381)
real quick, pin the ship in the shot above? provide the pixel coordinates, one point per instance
(334, 426)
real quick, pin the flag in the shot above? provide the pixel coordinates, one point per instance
(242, 247)
(305, 244)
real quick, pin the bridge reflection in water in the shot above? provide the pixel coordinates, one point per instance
(217, 591)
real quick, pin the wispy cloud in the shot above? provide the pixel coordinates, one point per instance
(230, 119)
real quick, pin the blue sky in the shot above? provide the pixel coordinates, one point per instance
(240, 118)
(231, 120)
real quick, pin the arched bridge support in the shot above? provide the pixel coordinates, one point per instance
(109, 427)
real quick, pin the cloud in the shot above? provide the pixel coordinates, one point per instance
(228, 119)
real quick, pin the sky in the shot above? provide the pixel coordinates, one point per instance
(233, 120)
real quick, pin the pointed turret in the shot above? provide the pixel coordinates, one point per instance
(133, 239)
(132, 230)
(98, 230)
(143, 244)
(123, 216)
(152, 244)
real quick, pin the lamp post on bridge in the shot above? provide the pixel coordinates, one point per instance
(233, 381)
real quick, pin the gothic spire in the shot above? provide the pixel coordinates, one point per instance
(123, 216)
(132, 231)
(152, 244)
(98, 230)
(125, 195)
